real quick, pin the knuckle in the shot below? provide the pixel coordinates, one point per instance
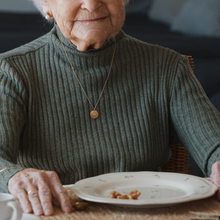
(45, 192)
(28, 181)
(25, 204)
(42, 181)
(19, 184)
(33, 195)
(216, 167)
(27, 175)
(17, 188)
(46, 203)
(62, 191)
(36, 205)
(21, 196)
(40, 176)
(53, 175)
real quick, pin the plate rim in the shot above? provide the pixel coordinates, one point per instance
(78, 192)
(29, 216)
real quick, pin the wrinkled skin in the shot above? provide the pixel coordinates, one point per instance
(50, 191)
(87, 24)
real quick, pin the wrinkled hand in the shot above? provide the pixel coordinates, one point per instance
(215, 176)
(45, 190)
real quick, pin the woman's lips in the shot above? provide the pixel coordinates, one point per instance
(92, 20)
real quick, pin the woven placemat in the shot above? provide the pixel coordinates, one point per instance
(108, 212)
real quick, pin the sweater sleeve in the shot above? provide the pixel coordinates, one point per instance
(196, 121)
(12, 120)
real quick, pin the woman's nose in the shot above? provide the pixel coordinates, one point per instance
(91, 5)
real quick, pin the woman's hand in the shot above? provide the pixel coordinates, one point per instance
(38, 190)
(215, 176)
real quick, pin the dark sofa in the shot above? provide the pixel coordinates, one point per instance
(205, 50)
(18, 29)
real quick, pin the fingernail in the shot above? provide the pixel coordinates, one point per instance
(38, 212)
(27, 210)
(67, 209)
(47, 212)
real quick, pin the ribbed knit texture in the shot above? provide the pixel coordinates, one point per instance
(151, 93)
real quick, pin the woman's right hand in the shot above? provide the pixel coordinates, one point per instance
(38, 190)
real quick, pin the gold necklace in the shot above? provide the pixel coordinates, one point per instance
(94, 113)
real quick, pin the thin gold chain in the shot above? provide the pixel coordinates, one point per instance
(81, 84)
(10, 168)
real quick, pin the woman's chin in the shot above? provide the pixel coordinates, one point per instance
(93, 39)
(84, 45)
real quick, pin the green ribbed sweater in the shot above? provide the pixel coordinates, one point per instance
(151, 95)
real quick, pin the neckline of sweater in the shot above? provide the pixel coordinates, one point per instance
(72, 48)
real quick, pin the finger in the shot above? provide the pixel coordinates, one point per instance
(60, 193)
(215, 177)
(34, 200)
(63, 198)
(17, 189)
(45, 197)
(24, 201)
(216, 169)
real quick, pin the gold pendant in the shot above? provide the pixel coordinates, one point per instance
(94, 114)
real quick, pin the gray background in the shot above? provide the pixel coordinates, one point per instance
(19, 6)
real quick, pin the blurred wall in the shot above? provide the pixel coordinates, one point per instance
(17, 6)
(25, 6)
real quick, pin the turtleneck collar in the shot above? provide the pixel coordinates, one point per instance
(60, 37)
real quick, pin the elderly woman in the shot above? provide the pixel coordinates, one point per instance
(86, 99)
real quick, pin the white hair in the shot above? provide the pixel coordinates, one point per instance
(37, 4)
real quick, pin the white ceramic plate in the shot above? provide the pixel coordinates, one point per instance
(157, 188)
(29, 217)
